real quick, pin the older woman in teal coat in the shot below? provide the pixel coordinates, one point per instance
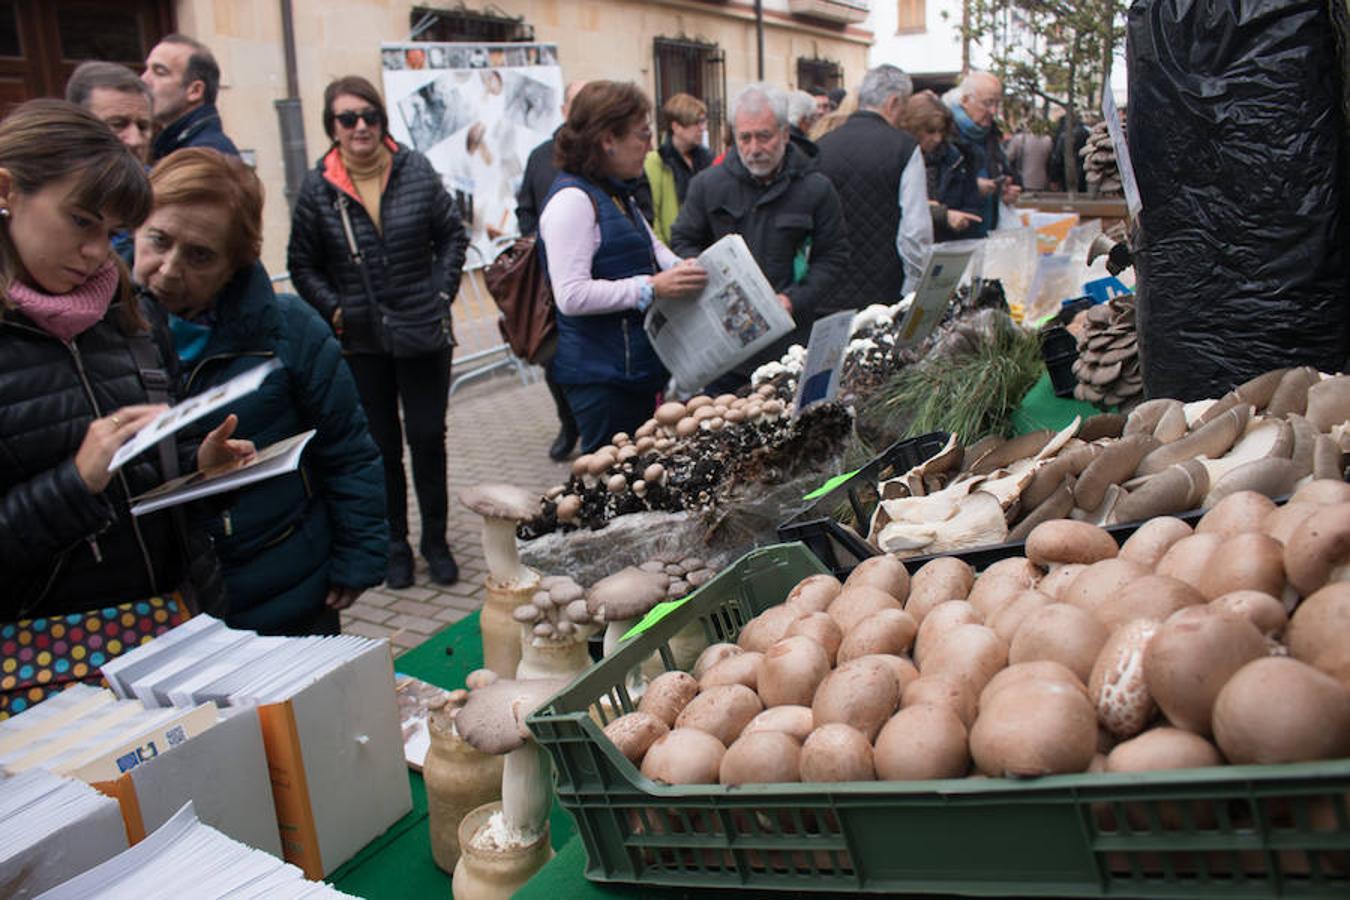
(298, 548)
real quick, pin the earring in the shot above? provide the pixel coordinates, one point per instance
(610, 151)
(4, 212)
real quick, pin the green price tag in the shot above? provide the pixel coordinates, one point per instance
(830, 485)
(654, 615)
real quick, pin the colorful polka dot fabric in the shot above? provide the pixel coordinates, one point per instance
(40, 657)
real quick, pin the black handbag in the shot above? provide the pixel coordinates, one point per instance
(399, 334)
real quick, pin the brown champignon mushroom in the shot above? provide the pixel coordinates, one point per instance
(937, 581)
(1042, 728)
(836, 752)
(502, 507)
(493, 722)
(634, 733)
(920, 743)
(1065, 541)
(1280, 710)
(722, 711)
(712, 655)
(813, 593)
(1116, 685)
(620, 599)
(1319, 550)
(863, 693)
(667, 695)
(764, 757)
(790, 671)
(796, 721)
(569, 507)
(684, 756)
(1189, 658)
(885, 573)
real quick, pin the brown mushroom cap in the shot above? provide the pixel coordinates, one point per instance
(767, 628)
(943, 618)
(1281, 710)
(790, 671)
(794, 720)
(946, 691)
(1067, 541)
(667, 414)
(921, 742)
(1160, 749)
(668, 694)
(857, 603)
(814, 593)
(738, 668)
(626, 594)
(937, 581)
(500, 501)
(1320, 623)
(1319, 550)
(1189, 658)
(722, 711)
(684, 756)
(1261, 609)
(837, 752)
(1249, 561)
(764, 757)
(634, 733)
(1238, 512)
(493, 719)
(1042, 728)
(885, 573)
(1101, 581)
(1062, 633)
(1116, 685)
(819, 627)
(1042, 669)
(713, 655)
(889, 631)
(1153, 597)
(863, 693)
(1152, 539)
(974, 653)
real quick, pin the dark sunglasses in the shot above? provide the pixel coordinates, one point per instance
(348, 119)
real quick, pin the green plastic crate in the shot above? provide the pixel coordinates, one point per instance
(1236, 831)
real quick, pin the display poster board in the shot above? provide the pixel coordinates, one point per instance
(475, 111)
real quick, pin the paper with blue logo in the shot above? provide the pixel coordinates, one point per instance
(939, 282)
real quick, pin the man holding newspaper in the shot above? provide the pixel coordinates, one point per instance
(790, 218)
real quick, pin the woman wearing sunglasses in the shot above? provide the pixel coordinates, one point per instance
(377, 247)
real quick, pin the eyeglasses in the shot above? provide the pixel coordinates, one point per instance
(348, 119)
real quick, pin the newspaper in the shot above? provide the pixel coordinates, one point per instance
(735, 317)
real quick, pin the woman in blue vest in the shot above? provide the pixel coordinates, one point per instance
(605, 264)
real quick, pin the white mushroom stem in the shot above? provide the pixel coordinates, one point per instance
(614, 633)
(499, 550)
(527, 791)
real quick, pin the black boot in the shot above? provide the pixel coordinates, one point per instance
(441, 563)
(562, 445)
(400, 571)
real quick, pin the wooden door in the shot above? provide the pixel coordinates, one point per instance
(42, 41)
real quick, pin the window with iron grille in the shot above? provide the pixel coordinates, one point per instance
(697, 69)
(489, 26)
(819, 74)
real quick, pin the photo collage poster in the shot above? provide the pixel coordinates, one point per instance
(475, 111)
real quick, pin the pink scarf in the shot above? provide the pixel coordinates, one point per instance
(67, 315)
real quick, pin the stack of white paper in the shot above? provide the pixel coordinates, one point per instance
(185, 858)
(55, 829)
(328, 717)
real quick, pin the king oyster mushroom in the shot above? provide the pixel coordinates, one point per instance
(624, 597)
(493, 722)
(502, 506)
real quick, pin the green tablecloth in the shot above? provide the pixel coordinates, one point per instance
(1040, 408)
(398, 863)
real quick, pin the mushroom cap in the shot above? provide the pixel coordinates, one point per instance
(500, 501)
(626, 594)
(493, 719)
(668, 414)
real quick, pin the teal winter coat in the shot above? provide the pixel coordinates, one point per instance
(284, 541)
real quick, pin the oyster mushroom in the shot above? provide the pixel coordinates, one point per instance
(493, 722)
(502, 506)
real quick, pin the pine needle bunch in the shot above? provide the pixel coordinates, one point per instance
(971, 393)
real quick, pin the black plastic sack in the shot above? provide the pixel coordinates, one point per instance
(1234, 131)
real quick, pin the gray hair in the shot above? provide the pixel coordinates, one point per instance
(757, 97)
(969, 84)
(881, 83)
(96, 74)
(801, 105)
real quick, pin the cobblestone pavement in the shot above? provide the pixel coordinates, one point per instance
(499, 430)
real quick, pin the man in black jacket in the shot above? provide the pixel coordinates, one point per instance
(769, 193)
(879, 172)
(534, 187)
(184, 78)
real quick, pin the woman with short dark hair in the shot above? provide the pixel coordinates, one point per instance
(680, 157)
(377, 247)
(605, 264)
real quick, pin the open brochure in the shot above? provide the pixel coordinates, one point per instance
(278, 459)
(192, 409)
(735, 317)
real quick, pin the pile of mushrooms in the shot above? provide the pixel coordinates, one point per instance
(557, 611)
(1176, 650)
(1099, 162)
(1270, 435)
(1108, 355)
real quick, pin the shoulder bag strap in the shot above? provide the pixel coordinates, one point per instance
(155, 378)
(357, 258)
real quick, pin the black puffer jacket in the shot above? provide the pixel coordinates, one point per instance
(414, 259)
(63, 549)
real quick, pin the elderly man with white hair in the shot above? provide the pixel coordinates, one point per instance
(978, 137)
(801, 116)
(769, 193)
(879, 172)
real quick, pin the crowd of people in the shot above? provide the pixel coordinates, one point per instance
(130, 240)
